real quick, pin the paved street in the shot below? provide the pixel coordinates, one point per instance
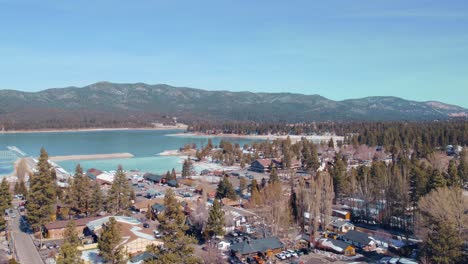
(24, 245)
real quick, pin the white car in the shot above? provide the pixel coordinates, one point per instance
(286, 253)
(281, 256)
(293, 253)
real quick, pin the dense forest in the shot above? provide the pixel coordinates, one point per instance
(400, 134)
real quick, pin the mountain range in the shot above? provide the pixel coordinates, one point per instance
(106, 103)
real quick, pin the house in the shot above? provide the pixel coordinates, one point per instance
(56, 229)
(346, 215)
(135, 238)
(229, 202)
(250, 247)
(359, 239)
(154, 178)
(340, 226)
(237, 217)
(158, 208)
(93, 173)
(261, 165)
(223, 245)
(172, 183)
(106, 177)
(336, 246)
(142, 206)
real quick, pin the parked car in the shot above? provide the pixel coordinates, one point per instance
(287, 254)
(157, 234)
(281, 256)
(146, 225)
(293, 253)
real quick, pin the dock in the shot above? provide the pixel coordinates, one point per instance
(92, 157)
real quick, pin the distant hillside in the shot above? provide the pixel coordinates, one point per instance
(111, 104)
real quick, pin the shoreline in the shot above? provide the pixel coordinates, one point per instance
(65, 130)
(262, 137)
(91, 157)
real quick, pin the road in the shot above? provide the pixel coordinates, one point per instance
(24, 246)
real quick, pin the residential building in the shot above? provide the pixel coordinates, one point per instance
(341, 226)
(359, 239)
(336, 246)
(250, 247)
(56, 229)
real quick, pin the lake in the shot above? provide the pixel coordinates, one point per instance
(145, 145)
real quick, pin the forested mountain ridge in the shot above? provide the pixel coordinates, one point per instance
(105, 103)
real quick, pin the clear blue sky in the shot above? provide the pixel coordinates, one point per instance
(339, 49)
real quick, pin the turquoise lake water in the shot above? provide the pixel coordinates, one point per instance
(145, 145)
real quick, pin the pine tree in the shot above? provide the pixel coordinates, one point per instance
(119, 196)
(5, 196)
(225, 189)
(242, 163)
(221, 190)
(331, 144)
(436, 180)
(255, 197)
(168, 176)
(2, 223)
(149, 213)
(463, 166)
(42, 194)
(108, 243)
(274, 175)
(443, 245)
(173, 174)
(97, 200)
(215, 224)
(20, 188)
(187, 168)
(177, 245)
(242, 184)
(80, 192)
(453, 177)
(69, 254)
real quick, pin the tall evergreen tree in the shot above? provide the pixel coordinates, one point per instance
(274, 175)
(119, 196)
(215, 224)
(225, 189)
(436, 180)
(177, 245)
(255, 197)
(109, 241)
(5, 196)
(242, 184)
(42, 193)
(463, 166)
(443, 245)
(80, 192)
(453, 177)
(187, 168)
(5, 201)
(69, 254)
(97, 200)
(20, 188)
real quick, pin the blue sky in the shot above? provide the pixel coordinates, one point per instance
(339, 49)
